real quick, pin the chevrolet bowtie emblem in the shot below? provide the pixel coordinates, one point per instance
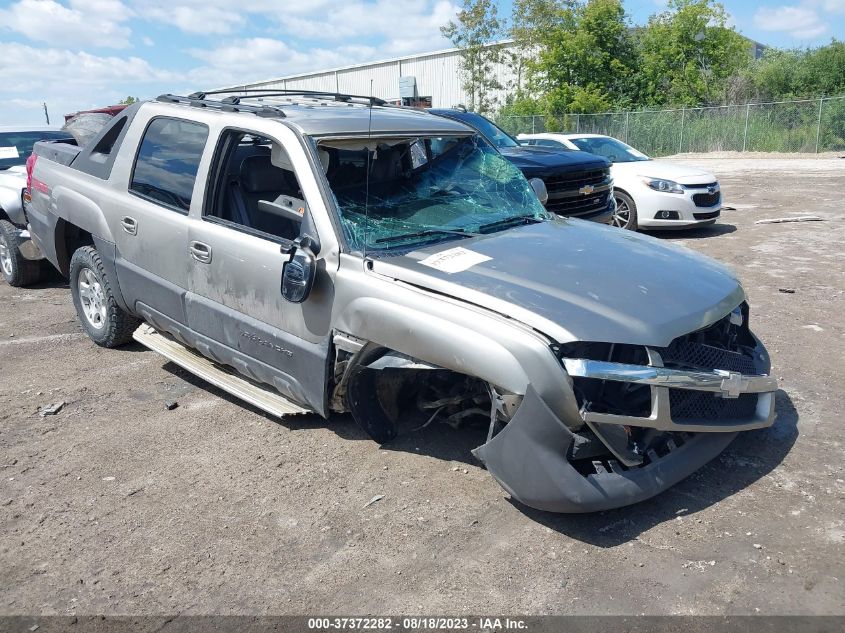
(732, 385)
(587, 190)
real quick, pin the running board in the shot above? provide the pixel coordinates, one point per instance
(256, 394)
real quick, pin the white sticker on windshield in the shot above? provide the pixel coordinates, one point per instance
(9, 152)
(635, 152)
(454, 260)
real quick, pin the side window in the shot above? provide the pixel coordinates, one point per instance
(545, 142)
(250, 169)
(167, 162)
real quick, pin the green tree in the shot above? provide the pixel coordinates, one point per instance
(688, 53)
(579, 54)
(128, 100)
(530, 24)
(476, 32)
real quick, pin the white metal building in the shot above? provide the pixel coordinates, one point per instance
(437, 76)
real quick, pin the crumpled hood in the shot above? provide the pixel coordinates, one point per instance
(577, 280)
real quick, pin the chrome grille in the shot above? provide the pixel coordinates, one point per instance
(684, 354)
(580, 205)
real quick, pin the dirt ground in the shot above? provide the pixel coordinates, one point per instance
(119, 506)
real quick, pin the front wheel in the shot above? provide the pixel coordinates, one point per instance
(103, 320)
(625, 216)
(17, 270)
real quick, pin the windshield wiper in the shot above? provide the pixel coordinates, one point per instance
(507, 223)
(426, 233)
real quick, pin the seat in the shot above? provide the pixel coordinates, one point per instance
(258, 179)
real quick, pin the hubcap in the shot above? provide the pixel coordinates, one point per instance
(622, 216)
(5, 257)
(92, 298)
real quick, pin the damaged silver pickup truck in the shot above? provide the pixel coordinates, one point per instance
(326, 253)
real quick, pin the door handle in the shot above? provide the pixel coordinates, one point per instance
(130, 225)
(200, 252)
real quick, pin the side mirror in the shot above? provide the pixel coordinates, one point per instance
(539, 188)
(299, 271)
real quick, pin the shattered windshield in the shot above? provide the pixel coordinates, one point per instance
(424, 189)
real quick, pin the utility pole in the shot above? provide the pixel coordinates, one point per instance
(46, 114)
(681, 138)
(819, 124)
(745, 134)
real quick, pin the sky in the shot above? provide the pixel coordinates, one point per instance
(78, 54)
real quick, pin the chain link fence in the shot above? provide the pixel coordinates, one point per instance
(810, 125)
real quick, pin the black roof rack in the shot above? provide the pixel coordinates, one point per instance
(229, 104)
(280, 92)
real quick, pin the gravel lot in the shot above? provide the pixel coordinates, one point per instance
(119, 506)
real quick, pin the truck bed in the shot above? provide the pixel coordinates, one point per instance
(63, 152)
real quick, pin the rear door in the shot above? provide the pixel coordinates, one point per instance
(237, 252)
(151, 224)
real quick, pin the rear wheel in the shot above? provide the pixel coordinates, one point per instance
(625, 216)
(17, 270)
(103, 320)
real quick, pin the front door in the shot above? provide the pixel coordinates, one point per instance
(236, 255)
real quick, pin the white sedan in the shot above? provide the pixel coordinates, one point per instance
(649, 194)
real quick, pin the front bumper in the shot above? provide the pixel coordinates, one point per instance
(605, 216)
(531, 456)
(650, 204)
(528, 458)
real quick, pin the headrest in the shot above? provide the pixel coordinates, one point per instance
(259, 175)
(387, 165)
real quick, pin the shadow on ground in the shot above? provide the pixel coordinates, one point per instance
(50, 278)
(343, 425)
(751, 456)
(436, 440)
(712, 230)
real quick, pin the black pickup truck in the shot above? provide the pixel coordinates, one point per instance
(579, 183)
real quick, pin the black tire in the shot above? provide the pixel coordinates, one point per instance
(625, 216)
(110, 326)
(17, 270)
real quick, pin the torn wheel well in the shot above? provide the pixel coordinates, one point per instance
(390, 394)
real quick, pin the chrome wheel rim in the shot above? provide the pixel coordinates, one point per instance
(92, 298)
(622, 215)
(5, 257)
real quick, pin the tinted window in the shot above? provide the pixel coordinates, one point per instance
(15, 147)
(167, 162)
(494, 134)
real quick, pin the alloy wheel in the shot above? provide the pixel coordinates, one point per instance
(5, 257)
(622, 215)
(92, 298)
